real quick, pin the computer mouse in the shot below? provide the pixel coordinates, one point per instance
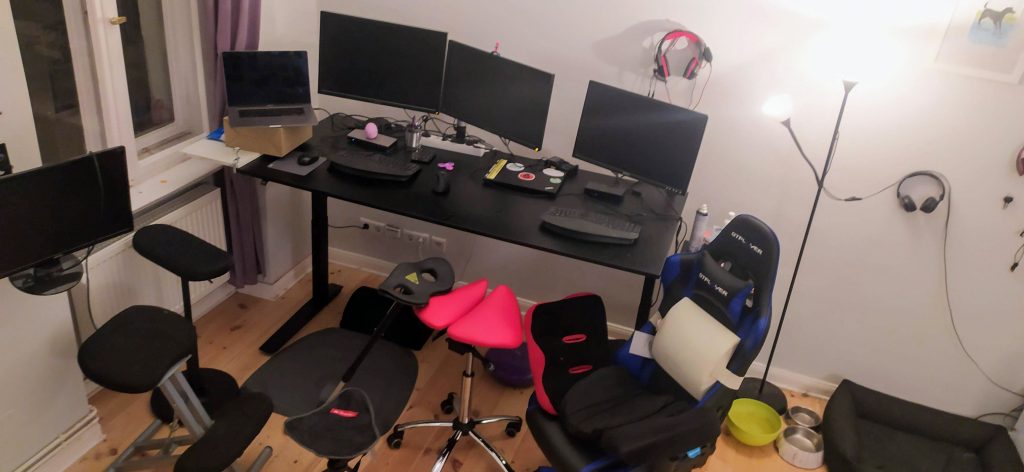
(371, 130)
(307, 159)
(442, 182)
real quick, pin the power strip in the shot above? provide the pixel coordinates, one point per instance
(437, 143)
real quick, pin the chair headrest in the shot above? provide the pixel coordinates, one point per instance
(749, 245)
(719, 292)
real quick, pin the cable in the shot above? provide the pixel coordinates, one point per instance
(668, 95)
(88, 298)
(945, 283)
(711, 70)
(505, 141)
(828, 193)
(360, 226)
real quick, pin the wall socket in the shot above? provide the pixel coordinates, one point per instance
(384, 230)
(417, 238)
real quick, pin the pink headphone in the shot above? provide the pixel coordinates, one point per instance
(701, 54)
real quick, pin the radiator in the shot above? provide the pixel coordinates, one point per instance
(119, 277)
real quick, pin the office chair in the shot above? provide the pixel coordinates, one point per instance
(599, 407)
(192, 260)
(142, 349)
(471, 320)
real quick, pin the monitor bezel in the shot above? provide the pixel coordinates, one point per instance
(351, 96)
(547, 111)
(618, 170)
(92, 242)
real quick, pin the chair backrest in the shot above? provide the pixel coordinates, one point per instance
(746, 250)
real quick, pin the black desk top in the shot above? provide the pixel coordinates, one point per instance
(489, 210)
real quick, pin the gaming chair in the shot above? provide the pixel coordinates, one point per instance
(598, 407)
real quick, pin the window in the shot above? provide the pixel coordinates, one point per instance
(113, 72)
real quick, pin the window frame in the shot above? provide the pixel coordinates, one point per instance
(185, 63)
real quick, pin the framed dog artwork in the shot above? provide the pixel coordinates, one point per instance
(985, 38)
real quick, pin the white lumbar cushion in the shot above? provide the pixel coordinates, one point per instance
(694, 348)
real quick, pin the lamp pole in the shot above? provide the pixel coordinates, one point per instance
(847, 87)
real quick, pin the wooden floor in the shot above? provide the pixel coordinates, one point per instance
(229, 338)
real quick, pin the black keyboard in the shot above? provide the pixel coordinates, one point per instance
(264, 112)
(374, 166)
(590, 226)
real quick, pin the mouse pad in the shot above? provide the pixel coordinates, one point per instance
(291, 164)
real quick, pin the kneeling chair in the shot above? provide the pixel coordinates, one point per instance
(597, 406)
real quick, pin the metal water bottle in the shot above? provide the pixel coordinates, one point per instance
(700, 226)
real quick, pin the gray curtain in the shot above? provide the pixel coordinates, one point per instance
(234, 25)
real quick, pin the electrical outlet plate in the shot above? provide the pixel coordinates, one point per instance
(393, 231)
(415, 237)
(438, 243)
(376, 228)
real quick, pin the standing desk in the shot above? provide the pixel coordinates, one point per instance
(487, 210)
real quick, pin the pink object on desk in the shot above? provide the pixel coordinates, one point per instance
(371, 131)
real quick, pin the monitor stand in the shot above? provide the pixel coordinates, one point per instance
(51, 277)
(613, 192)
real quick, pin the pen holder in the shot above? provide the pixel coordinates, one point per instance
(413, 135)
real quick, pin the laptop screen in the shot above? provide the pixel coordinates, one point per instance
(262, 78)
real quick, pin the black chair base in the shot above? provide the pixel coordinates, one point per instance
(215, 388)
(772, 395)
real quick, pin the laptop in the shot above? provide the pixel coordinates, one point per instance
(268, 88)
(530, 177)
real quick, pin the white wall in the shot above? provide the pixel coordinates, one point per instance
(42, 393)
(869, 305)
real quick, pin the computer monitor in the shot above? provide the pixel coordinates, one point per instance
(495, 94)
(55, 210)
(639, 136)
(262, 78)
(379, 62)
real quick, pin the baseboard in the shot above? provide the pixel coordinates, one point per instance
(275, 290)
(793, 381)
(67, 448)
(360, 261)
(780, 377)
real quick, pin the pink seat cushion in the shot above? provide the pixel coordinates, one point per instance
(495, 322)
(443, 310)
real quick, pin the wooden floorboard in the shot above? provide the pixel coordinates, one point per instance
(229, 339)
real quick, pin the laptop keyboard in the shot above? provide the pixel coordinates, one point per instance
(265, 112)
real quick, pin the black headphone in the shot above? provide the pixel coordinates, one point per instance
(930, 204)
(701, 55)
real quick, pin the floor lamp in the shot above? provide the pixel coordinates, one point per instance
(765, 391)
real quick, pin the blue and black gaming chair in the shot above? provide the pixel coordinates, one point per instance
(597, 407)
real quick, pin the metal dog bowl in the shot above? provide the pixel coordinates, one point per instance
(801, 447)
(800, 416)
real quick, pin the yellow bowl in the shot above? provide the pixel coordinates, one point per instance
(752, 422)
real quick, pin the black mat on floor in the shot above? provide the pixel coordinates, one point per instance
(299, 377)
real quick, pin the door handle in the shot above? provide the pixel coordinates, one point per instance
(118, 20)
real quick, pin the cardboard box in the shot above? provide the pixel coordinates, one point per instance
(277, 141)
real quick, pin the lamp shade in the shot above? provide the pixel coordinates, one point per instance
(778, 106)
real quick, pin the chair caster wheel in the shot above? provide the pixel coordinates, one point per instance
(513, 429)
(395, 439)
(448, 404)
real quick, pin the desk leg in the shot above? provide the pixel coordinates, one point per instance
(323, 290)
(643, 312)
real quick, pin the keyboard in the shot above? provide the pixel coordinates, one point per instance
(589, 226)
(265, 112)
(374, 166)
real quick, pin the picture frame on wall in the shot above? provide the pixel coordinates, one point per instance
(985, 39)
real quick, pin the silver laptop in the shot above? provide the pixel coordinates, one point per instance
(268, 88)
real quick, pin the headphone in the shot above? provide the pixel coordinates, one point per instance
(701, 55)
(930, 204)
